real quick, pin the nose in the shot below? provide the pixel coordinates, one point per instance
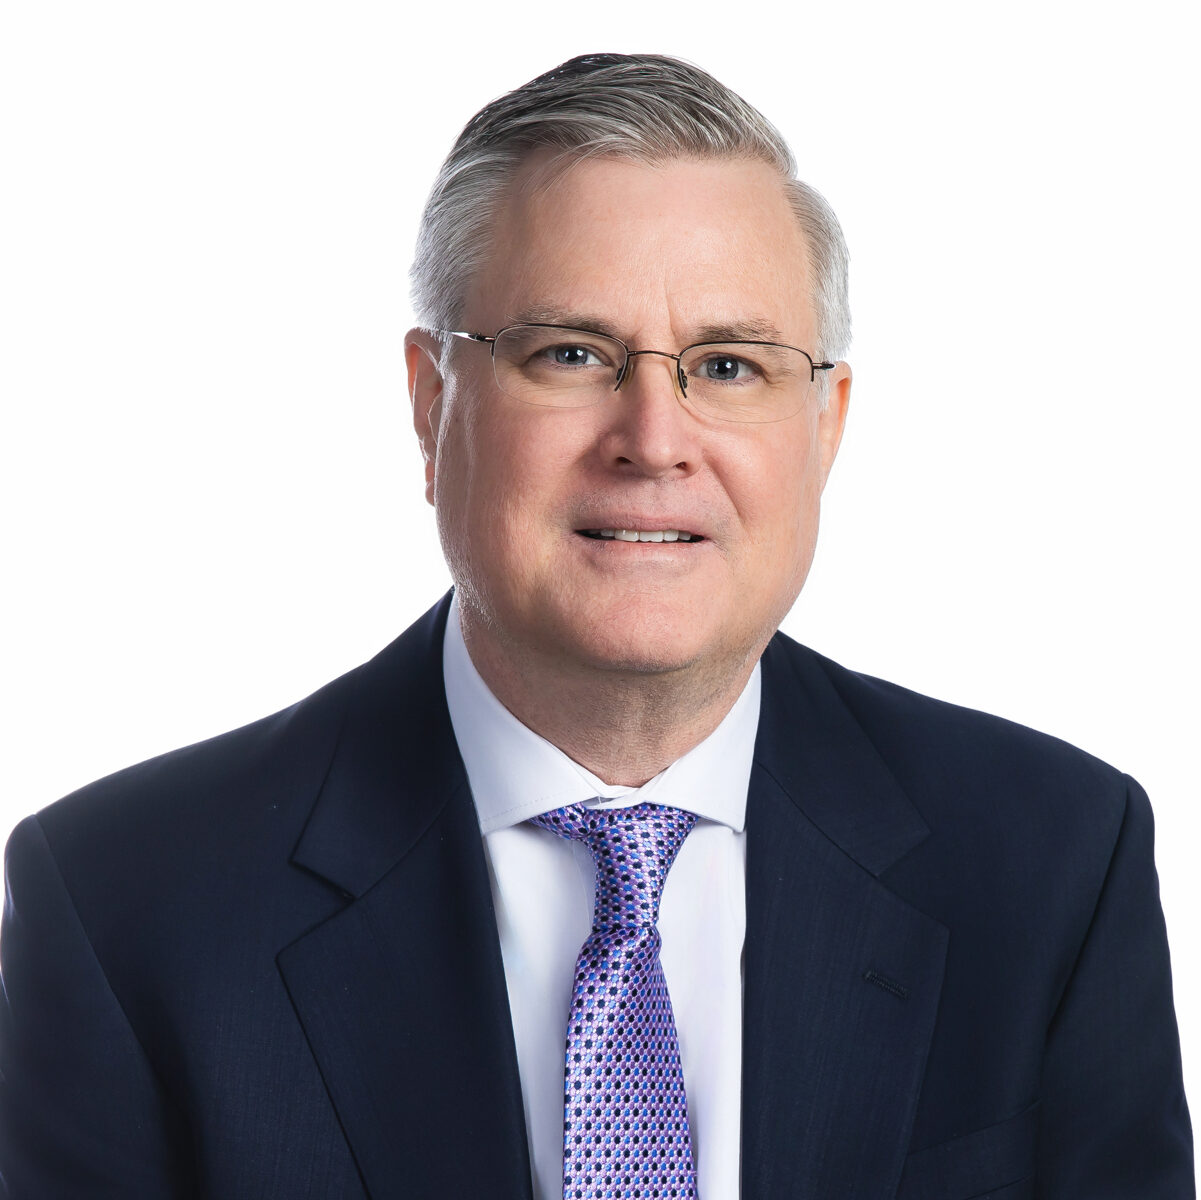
(650, 432)
(676, 371)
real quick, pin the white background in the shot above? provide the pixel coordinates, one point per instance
(212, 498)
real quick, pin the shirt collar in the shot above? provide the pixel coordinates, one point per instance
(515, 774)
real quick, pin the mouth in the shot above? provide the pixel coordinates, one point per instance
(641, 535)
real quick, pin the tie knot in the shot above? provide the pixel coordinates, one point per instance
(633, 848)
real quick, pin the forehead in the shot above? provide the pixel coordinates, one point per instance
(653, 248)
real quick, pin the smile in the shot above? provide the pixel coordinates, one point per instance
(642, 535)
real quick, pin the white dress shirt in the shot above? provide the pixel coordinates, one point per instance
(542, 889)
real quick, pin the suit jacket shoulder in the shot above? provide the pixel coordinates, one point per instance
(151, 1041)
(982, 784)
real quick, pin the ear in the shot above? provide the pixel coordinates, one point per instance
(833, 418)
(422, 357)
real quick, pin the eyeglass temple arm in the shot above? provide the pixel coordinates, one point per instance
(471, 337)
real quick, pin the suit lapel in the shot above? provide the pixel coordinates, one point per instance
(401, 991)
(842, 977)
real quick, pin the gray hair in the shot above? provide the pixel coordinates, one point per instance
(645, 107)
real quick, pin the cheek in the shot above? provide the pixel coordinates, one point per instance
(498, 489)
(518, 471)
(783, 491)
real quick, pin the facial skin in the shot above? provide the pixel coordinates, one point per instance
(659, 255)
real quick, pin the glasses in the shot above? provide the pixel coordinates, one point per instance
(559, 367)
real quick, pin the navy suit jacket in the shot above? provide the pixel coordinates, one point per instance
(267, 966)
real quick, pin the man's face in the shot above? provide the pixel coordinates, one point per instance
(659, 255)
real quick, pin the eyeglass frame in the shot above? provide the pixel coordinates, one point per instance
(681, 378)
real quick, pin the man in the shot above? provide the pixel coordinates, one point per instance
(591, 884)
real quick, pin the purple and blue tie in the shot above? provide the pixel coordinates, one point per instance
(625, 1122)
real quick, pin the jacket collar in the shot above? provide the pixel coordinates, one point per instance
(395, 767)
(811, 744)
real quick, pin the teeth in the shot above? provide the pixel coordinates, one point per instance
(641, 535)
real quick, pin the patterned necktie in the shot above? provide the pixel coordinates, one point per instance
(625, 1123)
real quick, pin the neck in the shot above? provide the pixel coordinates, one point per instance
(623, 726)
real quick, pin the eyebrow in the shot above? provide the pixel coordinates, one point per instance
(539, 314)
(751, 329)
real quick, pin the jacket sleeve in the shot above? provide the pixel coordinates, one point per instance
(1114, 1121)
(81, 1111)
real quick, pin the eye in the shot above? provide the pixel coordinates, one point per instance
(726, 368)
(572, 355)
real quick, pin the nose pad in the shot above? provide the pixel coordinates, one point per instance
(679, 379)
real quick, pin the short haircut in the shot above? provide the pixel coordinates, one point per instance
(646, 107)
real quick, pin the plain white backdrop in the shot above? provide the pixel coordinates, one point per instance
(212, 496)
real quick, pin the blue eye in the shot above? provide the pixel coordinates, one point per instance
(724, 368)
(572, 356)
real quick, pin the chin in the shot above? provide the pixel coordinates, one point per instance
(632, 660)
(633, 643)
